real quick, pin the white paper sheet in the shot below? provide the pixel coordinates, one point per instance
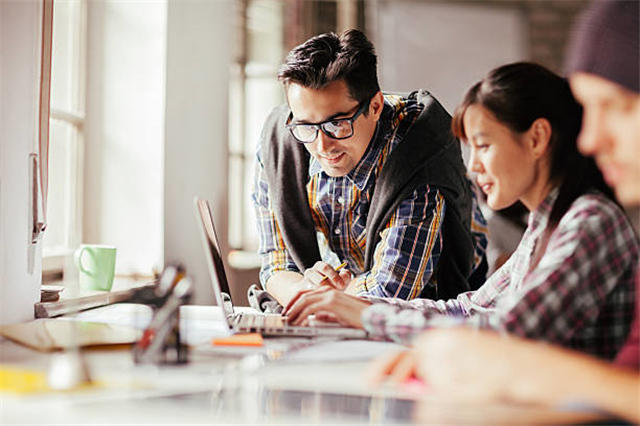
(342, 350)
(198, 324)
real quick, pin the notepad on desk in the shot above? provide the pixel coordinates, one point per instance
(82, 302)
(53, 334)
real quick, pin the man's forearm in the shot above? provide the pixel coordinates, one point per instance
(284, 285)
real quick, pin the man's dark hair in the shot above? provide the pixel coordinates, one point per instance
(517, 94)
(329, 57)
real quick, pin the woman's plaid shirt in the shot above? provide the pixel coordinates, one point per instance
(580, 294)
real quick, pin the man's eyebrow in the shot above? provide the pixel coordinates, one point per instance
(336, 115)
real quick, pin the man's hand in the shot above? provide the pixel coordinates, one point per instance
(287, 285)
(327, 304)
(323, 274)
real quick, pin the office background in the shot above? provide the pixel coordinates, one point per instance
(156, 101)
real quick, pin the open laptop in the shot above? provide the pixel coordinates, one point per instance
(267, 325)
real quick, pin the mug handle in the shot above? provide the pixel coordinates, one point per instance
(77, 259)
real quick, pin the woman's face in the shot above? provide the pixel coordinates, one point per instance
(505, 164)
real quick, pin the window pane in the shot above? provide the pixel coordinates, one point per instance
(236, 115)
(262, 95)
(63, 139)
(252, 238)
(264, 32)
(236, 203)
(66, 58)
(254, 92)
(62, 231)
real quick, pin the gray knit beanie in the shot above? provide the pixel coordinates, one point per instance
(605, 42)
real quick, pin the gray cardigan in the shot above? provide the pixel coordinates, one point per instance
(429, 155)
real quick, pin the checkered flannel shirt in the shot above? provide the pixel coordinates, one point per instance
(410, 246)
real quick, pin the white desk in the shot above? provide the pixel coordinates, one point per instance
(231, 389)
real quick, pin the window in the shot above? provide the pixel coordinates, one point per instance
(67, 114)
(254, 92)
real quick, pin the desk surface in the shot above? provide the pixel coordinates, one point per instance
(218, 387)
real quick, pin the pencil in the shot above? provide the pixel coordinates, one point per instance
(340, 266)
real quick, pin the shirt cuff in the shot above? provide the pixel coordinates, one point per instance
(360, 285)
(269, 270)
(389, 321)
(377, 319)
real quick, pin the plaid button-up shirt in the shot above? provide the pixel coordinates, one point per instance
(579, 294)
(410, 246)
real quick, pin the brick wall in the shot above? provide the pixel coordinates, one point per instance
(550, 24)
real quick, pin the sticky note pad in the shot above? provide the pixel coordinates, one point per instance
(22, 381)
(249, 339)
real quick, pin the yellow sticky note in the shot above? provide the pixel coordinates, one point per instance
(22, 381)
(249, 339)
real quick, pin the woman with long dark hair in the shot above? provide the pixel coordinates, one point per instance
(570, 281)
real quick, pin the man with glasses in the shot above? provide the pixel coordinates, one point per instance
(348, 176)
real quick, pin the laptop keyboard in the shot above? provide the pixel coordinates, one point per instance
(275, 325)
(249, 321)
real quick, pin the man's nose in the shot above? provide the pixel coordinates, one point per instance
(324, 142)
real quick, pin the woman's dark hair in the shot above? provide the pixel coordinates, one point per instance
(330, 57)
(518, 94)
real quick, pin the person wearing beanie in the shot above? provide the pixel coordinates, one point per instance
(605, 43)
(602, 67)
(607, 86)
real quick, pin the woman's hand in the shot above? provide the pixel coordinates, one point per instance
(469, 364)
(476, 365)
(327, 304)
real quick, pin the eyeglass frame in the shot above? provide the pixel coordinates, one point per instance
(319, 126)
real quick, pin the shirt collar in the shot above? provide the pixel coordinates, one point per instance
(539, 218)
(314, 166)
(360, 174)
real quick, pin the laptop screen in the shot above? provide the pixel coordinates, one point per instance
(212, 250)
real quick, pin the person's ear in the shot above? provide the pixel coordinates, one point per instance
(376, 105)
(539, 136)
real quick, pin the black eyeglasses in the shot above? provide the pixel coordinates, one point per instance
(335, 128)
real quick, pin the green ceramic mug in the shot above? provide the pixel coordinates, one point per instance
(97, 266)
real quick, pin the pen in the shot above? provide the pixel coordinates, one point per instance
(342, 265)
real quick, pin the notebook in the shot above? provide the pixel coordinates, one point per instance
(267, 325)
